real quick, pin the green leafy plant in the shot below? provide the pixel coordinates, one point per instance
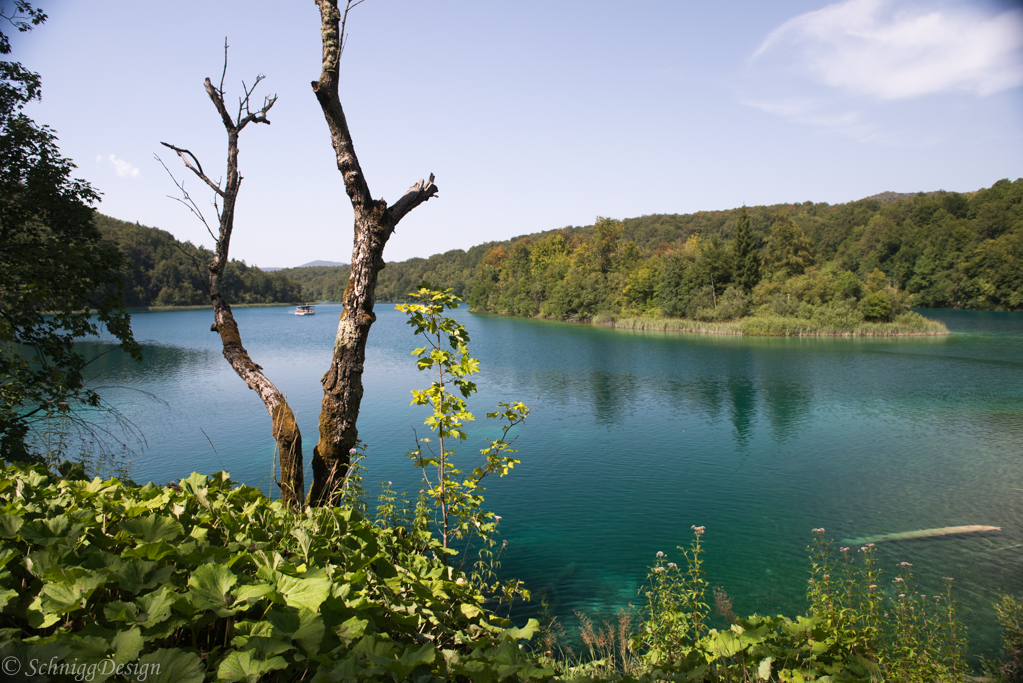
(457, 495)
(207, 580)
(1010, 618)
(911, 637)
(676, 604)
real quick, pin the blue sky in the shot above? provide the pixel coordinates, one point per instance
(533, 115)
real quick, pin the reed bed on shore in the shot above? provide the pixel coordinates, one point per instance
(779, 326)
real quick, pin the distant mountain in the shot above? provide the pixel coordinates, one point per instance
(890, 197)
(307, 265)
(322, 263)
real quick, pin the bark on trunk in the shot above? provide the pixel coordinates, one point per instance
(285, 429)
(374, 224)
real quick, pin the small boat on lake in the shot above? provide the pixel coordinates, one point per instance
(305, 310)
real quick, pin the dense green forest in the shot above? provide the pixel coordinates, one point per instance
(867, 259)
(161, 271)
(937, 249)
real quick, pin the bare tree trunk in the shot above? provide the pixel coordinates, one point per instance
(374, 224)
(285, 428)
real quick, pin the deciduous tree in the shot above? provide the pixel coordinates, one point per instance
(58, 279)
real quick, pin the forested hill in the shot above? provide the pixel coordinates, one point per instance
(946, 249)
(161, 271)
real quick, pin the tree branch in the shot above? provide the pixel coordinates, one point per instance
(197, 169)
(218, 102)
(187, 200)
(414, 196)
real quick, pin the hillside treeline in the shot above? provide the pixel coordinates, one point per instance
(835, 263)
(457, 269)
(939, 249)
(161, 271)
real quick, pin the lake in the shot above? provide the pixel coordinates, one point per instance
(637, 436)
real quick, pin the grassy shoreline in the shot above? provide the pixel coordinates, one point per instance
(751, 326)
(760, 326)
(777, 326)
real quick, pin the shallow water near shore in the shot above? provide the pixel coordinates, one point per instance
(636, 436)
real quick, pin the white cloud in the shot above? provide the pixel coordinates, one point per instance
(862, 68)
(894, 50)
(121, 167)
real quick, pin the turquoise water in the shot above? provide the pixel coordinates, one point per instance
(637, 436)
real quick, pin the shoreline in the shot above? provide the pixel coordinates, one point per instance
(197, 307)
(768, 327)
(775, 326)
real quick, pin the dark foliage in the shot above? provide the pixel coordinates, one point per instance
(161, 271)
(58, 278)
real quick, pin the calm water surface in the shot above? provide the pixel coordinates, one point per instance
(637, 436)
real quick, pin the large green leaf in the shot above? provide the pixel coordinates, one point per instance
(7, 554)
(245, 666)
(121, 611)
(108, 654)
(268, 646)
(524, 633)
(153, 528)
(351, 629)
(24, 653)
(65, 596)
(209, 588)
(5, 597)
(50, 530)
(39, 618)
(170, 666)
(9, 525)
(764, 670)
(309, 591)
(156, 606)
(725, 644)
(401, 667)
(136, 574)
(304, 627)
(251, 593)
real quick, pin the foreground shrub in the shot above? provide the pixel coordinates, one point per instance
(1010, 618)
(206, 580)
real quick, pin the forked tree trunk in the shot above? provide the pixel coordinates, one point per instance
(285, 429)
(374, 224)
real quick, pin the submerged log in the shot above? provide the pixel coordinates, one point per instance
(922, 533)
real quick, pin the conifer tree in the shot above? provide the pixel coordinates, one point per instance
(747, 255)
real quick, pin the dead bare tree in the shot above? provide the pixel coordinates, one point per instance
(285, 428)
(374, 223)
